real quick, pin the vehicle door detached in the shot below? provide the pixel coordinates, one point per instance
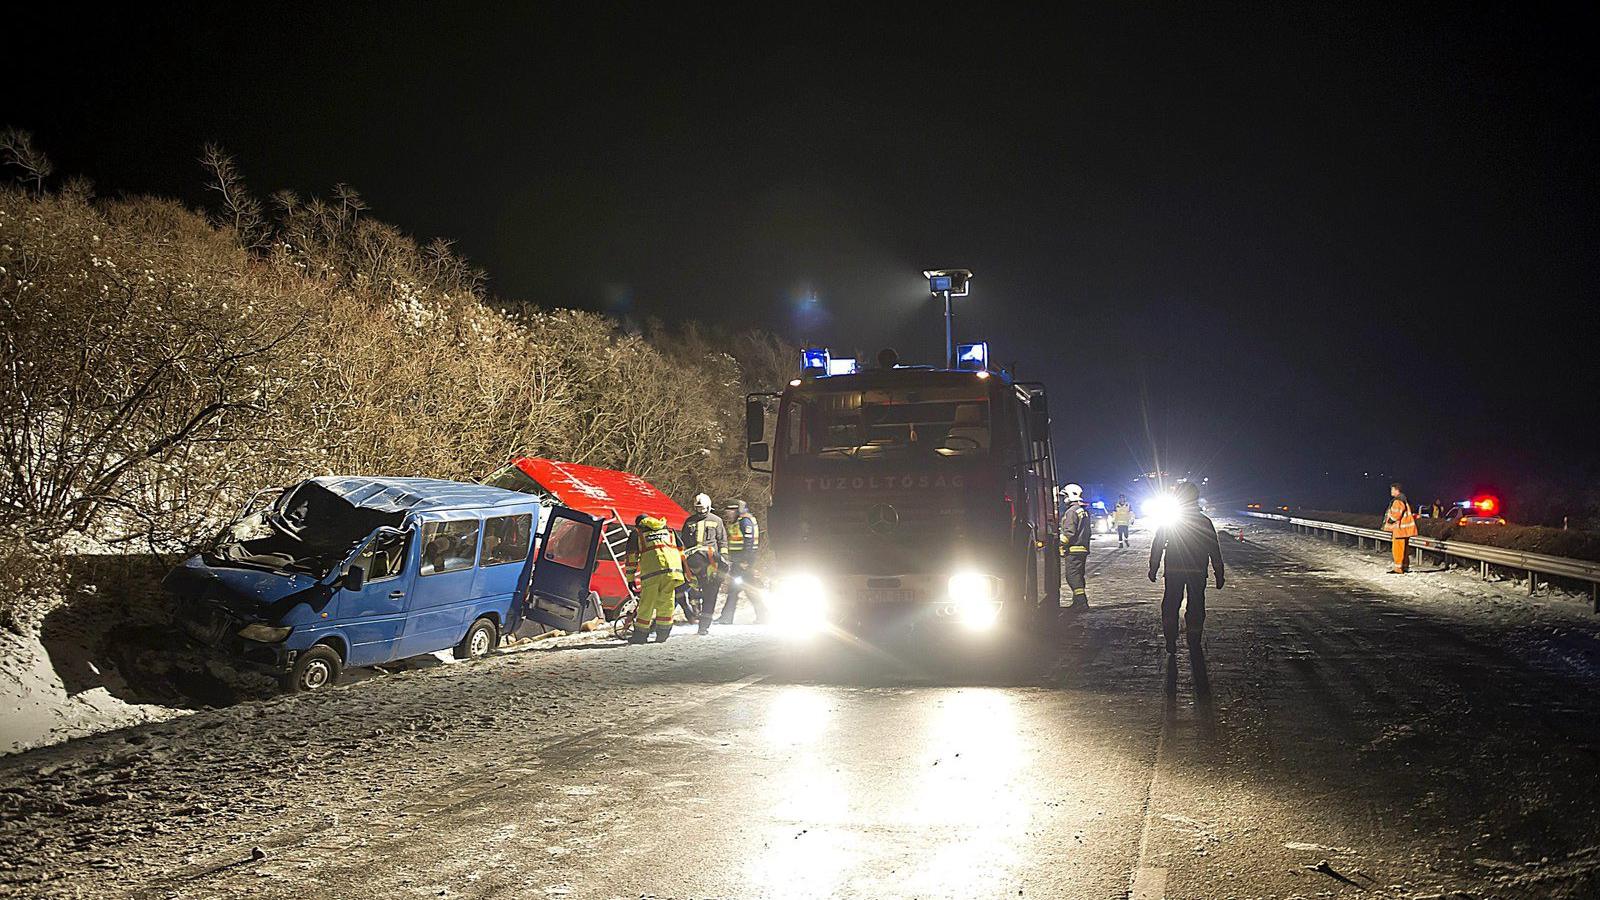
(558, 591)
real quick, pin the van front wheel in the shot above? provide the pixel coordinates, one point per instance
(313, 670)
(481, 638)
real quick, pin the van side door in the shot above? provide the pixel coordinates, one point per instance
(447, 557)
(558, 590)
(373, 618)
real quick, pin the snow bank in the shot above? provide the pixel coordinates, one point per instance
(36, 709)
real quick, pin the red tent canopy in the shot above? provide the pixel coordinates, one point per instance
(599, 492)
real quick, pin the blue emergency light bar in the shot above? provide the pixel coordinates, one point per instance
(940, 283)
(814, 361)
(973, 356)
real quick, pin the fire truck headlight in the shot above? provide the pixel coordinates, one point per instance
(974, 597)
(801, 603)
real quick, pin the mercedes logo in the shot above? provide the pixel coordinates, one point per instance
(882, 518)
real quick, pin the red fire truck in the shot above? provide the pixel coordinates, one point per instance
(908, 492)
(616, 498)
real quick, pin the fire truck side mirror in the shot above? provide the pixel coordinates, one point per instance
(755, 422)
(1039, 417)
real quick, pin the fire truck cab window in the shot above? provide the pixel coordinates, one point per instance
(942, 421)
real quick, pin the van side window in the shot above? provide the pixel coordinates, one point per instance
(384, 557)
(449, 546)
(506, 538)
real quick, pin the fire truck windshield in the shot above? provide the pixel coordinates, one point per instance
(881, 423)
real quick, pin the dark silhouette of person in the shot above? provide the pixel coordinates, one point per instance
(1189, 545)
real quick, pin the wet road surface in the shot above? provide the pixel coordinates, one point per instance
(1339, 737)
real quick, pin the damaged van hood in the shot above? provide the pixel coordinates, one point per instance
(249, 593)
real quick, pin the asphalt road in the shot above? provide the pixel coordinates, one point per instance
(1341, 737)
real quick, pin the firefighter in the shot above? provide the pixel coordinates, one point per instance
(744, 539)
(1122, 517)
(655, 561)
(1189, 545)
(1401, 524)
(705, 543)
(1077, 525)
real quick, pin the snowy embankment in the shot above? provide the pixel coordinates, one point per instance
(37, 709)
(58, 677)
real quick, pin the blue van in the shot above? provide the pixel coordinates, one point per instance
(336, 572)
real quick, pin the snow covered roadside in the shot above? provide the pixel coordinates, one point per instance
(1553, 629)
(36, 709)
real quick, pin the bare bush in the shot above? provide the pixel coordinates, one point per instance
(160, 366)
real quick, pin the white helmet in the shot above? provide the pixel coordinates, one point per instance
(1073, 492)
(702, 503)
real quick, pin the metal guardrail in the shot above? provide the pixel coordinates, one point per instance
(1535, 564)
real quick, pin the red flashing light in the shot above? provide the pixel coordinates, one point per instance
(1486, 505)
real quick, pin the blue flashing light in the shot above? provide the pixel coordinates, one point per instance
(1099, 504)
(814, 361)
(940, 283)
(973, 356)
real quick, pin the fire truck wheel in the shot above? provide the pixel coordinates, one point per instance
(481, 638)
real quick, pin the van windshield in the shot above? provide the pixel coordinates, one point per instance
(883, 422)
(309, 529)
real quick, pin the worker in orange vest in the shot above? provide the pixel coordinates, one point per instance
(1401, 524)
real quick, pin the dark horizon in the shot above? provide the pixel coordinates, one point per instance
(1268, 244)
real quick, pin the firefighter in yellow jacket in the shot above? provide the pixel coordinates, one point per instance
(655, 561)
(1401, 523)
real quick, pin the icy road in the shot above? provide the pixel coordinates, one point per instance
(1350, 733)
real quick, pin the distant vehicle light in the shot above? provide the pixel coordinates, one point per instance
(983, 374)
(1160, 510)
(794, 383)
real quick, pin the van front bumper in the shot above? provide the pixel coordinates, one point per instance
(212, 626)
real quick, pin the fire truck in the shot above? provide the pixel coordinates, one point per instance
(908, 493)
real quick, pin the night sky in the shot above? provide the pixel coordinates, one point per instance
(1269, 242)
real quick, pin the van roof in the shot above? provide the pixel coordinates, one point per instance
(402, 495)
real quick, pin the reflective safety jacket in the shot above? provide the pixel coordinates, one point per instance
(653, 552)
(1398, 519)
(1077, 527)
(744, 539)
(705, 543)
(1122, 514)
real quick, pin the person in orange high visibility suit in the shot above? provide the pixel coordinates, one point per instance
(1401, 523)
(655, 560)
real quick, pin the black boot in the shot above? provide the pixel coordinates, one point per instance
(663, 632)
(641, 633)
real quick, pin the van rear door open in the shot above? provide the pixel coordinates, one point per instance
(558, 592)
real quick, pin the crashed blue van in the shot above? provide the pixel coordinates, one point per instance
(344, 571)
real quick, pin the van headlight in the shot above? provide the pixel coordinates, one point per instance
(263, 634)
(975, 599)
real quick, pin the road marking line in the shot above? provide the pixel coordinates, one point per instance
(1149, 882)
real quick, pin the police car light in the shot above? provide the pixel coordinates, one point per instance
(814, 361)
(973, 356)
(842, 367)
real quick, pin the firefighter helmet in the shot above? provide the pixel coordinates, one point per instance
(702, 503)
(1072, 492)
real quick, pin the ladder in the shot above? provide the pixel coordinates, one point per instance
(618, 546)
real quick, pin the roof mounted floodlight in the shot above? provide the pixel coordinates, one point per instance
(948, 283)
(951, 281)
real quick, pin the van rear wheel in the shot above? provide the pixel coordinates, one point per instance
(314, 670)
(481, 638)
